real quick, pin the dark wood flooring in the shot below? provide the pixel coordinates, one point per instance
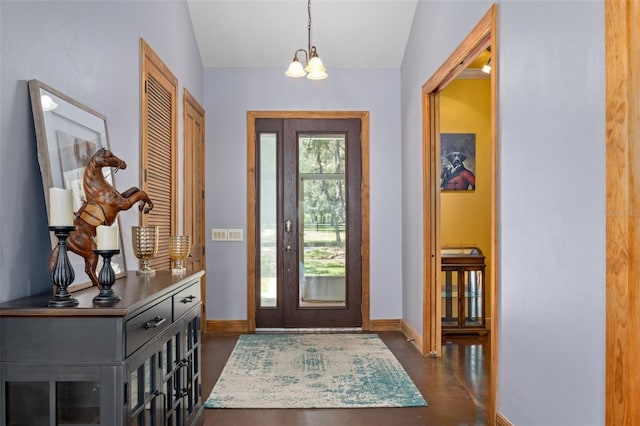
(455, 387)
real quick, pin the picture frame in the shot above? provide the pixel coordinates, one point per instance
(458, 161)
(68, 133)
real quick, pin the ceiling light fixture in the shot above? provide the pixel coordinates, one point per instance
(313, 69)
(487, 67)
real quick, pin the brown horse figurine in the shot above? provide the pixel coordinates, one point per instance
(103, 202)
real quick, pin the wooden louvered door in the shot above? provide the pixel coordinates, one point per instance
(159, 153)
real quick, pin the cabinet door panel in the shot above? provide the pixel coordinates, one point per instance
(69, 394)
(170, 360)
(192, 377)
(145, 399)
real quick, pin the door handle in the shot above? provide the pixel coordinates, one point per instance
(288, 227)
(154, 322)
(188, 299)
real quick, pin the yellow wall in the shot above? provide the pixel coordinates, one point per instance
(465, 107)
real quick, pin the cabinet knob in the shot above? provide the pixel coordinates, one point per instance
(188, 299)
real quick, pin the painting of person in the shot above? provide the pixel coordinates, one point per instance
(456, 174)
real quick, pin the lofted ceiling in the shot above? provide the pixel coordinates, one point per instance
(266, 33)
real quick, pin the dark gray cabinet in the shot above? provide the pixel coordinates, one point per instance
(134, 363)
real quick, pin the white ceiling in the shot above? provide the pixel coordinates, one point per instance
(266, 33)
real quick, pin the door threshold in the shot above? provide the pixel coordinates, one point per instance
(311, 330)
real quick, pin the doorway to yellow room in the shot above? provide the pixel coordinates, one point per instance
(436, 122)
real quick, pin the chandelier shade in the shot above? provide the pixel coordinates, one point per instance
(295, 69)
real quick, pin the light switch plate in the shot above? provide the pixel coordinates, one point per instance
(219, 235)
(235, 235)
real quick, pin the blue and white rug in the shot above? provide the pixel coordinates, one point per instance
(313, 371)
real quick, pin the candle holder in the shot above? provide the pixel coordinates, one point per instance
(106, 278)
(179, 248)
(145, 240)
(62, 274)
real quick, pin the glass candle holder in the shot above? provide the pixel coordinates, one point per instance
(145, 241)
(179, 248)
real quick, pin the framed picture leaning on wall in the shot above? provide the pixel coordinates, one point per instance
(68, 133)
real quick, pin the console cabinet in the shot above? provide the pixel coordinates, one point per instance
(463, 290)
(134, 363)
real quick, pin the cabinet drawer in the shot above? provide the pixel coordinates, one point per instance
(147, 325)
(186, 299)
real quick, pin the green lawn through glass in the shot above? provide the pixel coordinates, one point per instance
(322, 254)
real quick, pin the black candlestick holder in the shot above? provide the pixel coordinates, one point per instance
(62, 274)
(106, 278)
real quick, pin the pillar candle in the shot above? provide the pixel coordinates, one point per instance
(60, 207)
(107, 237)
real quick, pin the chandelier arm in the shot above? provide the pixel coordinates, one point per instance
(306, 55)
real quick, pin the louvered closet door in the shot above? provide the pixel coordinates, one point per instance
(158, 153)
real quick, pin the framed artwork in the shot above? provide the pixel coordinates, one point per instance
(68, 133)
(458, 161)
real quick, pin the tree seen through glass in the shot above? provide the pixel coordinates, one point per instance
(321, 166)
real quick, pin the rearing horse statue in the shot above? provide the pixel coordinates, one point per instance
(101, 207)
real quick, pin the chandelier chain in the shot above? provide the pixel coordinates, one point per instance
(309, 26)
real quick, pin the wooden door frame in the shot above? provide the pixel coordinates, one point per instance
(252, 193)
(622, 365)
(484, 32)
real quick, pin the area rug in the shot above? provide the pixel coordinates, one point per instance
(313, 371)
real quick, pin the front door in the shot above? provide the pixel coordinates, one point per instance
(309, 223)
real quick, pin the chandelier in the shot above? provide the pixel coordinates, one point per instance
(313, 69)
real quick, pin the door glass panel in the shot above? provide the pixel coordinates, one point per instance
(78, 403)
(134, 384)
(449, 298)
(268, 220)
(473, 299)
(27, 403)
(168, 360)
(321, 221)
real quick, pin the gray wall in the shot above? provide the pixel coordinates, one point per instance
(551, 196)
(89, 51)
(229, 94)
(558, 258)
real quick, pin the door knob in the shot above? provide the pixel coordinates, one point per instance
(288, 225)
